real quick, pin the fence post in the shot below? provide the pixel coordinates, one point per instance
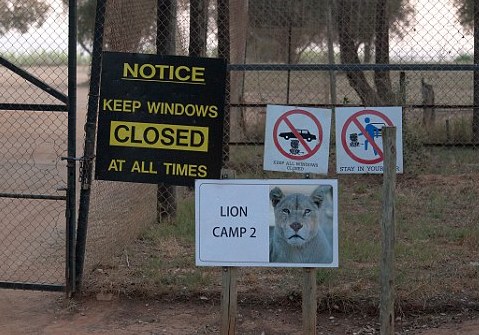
(332, 73)
(388, 232)
(71, 162)
(402, 88)
(429, 113)
(309, 303)
(229, 292)
(89, 146)
(229, 299)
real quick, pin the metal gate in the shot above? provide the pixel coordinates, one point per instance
(37, 153)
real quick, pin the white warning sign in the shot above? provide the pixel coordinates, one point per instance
(359, 143)
(297, 139)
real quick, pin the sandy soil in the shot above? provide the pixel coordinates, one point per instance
(46, 313)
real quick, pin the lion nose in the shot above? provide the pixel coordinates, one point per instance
(296, 226)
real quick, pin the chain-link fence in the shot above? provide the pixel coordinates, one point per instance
(417, 54)
(332, 54)
(118, 212)
(143, 26)
(33, 135)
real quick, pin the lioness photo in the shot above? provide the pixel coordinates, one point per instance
(302, 231)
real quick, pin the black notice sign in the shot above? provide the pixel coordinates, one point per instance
(160, 118)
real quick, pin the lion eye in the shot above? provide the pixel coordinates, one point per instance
(307, 211)
(286, 211)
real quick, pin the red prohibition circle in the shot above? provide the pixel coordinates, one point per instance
(284, 118)
(353, 117)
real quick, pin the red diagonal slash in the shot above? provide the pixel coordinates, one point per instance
(297, 134)
(368, 137)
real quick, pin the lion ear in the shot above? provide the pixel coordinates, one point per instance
(320, 193)
(275, 195)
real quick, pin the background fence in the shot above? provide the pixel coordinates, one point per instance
(417, 54)
(310, 53)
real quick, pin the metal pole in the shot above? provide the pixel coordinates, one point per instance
(89, 147)
(71, 162)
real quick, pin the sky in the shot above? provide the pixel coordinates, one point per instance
(435, 35)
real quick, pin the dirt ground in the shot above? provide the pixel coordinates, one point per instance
(47, 313)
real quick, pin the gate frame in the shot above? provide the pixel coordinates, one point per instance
(68, 105)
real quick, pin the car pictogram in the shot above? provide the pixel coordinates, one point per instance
(303, 132)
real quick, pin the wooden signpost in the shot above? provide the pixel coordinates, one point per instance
(388, 232)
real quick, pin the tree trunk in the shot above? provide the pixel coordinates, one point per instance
(368, 52)
(349, 55)
(166, 27)
(382, 78)
(198, 27)
(165, 45)
(475, 116)
(126, 23)
(223, 22)
(239, 29)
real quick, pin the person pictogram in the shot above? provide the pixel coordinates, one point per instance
(373, 132)
(360, 131)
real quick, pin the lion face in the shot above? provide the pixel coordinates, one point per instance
(296, 217)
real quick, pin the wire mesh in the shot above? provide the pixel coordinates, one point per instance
(347, 32)
(438, 104)
(33, 41)
(33, 241)
(119, 212)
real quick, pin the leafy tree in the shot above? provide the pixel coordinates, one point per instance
(20, 15)
(282, 25)
(304, 22)
(465, 13)
(86, 22)
(142, 31)
(348, 42)
(301, 23)
(466, 10)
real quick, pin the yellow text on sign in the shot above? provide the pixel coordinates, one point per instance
(158, 136)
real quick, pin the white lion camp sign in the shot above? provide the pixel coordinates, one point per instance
(270, 223)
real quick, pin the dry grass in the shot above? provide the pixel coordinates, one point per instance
(437, 249)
